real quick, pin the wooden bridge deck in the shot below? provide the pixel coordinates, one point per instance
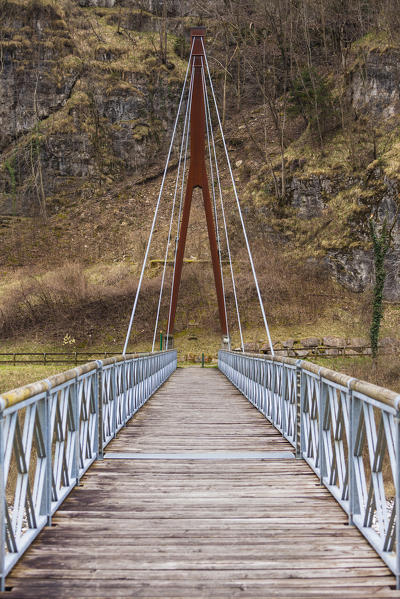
(231, 526)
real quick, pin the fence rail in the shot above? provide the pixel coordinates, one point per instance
(53, 357)
(347, 430)
(53, 430)
(330, 351)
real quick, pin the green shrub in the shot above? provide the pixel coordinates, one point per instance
(311, 98)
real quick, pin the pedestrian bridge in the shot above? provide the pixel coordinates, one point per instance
(128, 477)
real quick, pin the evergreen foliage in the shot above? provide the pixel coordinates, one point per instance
(310, 97)
(11, 171)
(381, 243)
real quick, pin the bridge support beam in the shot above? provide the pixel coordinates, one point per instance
(198, 178)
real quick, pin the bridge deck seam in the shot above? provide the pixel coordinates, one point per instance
(207, 455)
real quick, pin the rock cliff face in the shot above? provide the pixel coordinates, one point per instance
(336, 205)
(34, 79)
(342, 204)
(78, 100)
(375, 83)
(101, 3)
(324, 201)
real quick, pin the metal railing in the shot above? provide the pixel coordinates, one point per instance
(347, 430)
(53, 430)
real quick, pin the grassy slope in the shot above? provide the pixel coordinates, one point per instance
(12, 377)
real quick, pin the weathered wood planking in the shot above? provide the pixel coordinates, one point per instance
(200, 528)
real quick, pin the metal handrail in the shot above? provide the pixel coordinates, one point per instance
(347, 430)
(51, 431)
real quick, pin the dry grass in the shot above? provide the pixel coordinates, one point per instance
(12, 377)
(384, 372)
(92, 304)
(68, 299)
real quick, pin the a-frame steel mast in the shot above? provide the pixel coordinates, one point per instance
(197, 177)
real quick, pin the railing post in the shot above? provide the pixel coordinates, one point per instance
(129, 387)
(247, 375)
(284, 399)
(135, 384)
(114, 397)
(272, 392)
(77, 449)
(264, 387)
(2, 506)
(99, 394)
(148, 376)
(150, 371)
(321, 418)
(145, 379)
(252, 379)
(125, 394)
(255, 382)
(141, 384)
(297, 391)
(143, 375)
(301, 444)
(397, 500)
(47, 432)
(350, 464)
(258, 383)
(94, 392)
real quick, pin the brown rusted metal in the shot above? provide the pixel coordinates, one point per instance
(198, 178)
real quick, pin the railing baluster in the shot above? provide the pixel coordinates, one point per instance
(353, 499)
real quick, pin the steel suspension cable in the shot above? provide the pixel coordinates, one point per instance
(157, 207)
(173, 208)
(179, 220)
(214, 201)
(238, 204)
(224, 219)
(182, 184)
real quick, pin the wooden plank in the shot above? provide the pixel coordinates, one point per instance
(346, 575)
(172, 589)
(200, 528)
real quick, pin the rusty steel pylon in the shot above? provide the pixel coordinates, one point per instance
(197, 177)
